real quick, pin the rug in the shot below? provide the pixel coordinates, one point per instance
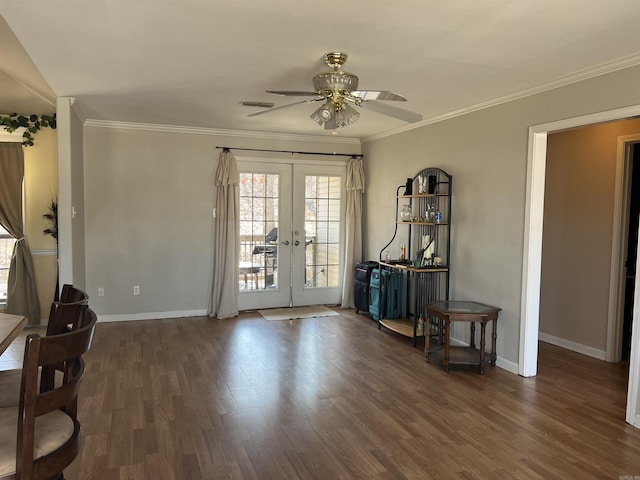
(297, 312)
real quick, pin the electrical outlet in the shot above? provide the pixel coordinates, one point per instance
(136, 289)
(101, 291)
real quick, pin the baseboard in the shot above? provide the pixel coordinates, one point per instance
(151, 315)
(508, 365)
(573, 346)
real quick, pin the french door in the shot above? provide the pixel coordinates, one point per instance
(291, 234)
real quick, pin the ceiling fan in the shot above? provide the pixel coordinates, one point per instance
(339, 91)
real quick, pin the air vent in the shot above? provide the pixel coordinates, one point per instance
(251, 103)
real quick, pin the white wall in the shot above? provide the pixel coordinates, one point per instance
(486, 152)
(148, 215)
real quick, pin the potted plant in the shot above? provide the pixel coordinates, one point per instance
(52, 229)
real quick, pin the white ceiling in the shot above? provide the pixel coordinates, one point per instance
(191, 62)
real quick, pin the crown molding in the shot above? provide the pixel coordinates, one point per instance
(597, 71)
(78, 110)
(219, 132)
(15, 136)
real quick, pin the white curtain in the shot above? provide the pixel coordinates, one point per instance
(353, 228)
(224, 291)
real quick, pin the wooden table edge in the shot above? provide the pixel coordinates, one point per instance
(4, 344)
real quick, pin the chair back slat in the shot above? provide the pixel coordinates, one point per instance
(65, 314)
(66, 318)
(57, 348)
(63, 396)
(71, 294)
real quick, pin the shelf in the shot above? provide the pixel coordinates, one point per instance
(403, 326)
(409, 268)
(424, 195)
(402, 222)
(424, 242)
(460, 355)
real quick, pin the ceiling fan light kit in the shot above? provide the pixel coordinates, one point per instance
(339, 91)
(334, 115)
(322, 114)
(347, 115)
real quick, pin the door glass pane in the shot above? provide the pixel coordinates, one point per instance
(259, 210)
(322, 230)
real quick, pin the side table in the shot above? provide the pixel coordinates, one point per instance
(456, 311)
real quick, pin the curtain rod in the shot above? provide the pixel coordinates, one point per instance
(352, 155)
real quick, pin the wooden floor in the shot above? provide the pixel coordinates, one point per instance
(335, 398)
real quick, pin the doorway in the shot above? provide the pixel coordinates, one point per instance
(291, 236)
(532, 254)
(631, 253)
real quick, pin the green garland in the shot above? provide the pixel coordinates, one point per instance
(32, 124)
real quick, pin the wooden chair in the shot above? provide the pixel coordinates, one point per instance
(63, 318)
(39, 437)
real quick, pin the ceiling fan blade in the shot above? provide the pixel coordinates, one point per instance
(261, 112)
(292, 93)
(378, 95)
(392, 111)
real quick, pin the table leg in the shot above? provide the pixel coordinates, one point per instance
(427, 338)
(483, 328)
(494, 336)
(472, 341)
(445, 361)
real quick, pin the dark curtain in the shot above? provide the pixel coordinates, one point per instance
(22, 297)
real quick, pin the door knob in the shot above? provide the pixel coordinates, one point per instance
(286, 242)
(296, 243)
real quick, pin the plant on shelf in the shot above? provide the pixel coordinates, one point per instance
(32, 125)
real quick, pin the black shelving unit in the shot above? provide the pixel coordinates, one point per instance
(428, 248)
